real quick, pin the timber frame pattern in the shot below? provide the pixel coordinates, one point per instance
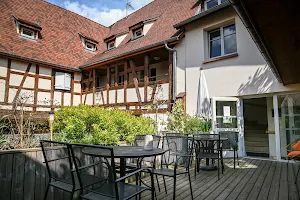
(89, 86)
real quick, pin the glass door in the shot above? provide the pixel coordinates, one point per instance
(228, 122)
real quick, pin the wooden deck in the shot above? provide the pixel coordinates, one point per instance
(252, 179)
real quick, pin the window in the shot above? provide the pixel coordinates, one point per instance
(27, 32)
(222, 41)
(137, 33)
(142, 76)
(90, 46)
(152, 74)
(110, 45)
(121, 79)
(62, 81)
(212, 3)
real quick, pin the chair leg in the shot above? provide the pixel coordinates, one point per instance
(174, 188)
(47, 190)
(237, 157)
(157, 183)
(196, 167)
(72, 194)
(234, 159)
(165, 184)
(190, 184)
(218, 169)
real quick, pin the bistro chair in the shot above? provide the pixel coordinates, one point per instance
(232, 144)
(62, 177)
(179, 153)
(208, 146)
(293, 150)
(103, 167)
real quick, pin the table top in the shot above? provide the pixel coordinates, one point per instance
(125, 152)
(210, 139)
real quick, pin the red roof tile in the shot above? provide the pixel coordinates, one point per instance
(169, 12)
(60, 43)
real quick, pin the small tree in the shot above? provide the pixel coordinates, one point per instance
(175, 122)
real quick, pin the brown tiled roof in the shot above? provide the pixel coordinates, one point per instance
(169, 12)
(60, 42)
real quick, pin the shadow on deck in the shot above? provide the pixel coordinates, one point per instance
(252, 179)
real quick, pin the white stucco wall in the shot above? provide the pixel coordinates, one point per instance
(246, 74)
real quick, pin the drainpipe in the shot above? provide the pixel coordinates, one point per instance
(174, 68)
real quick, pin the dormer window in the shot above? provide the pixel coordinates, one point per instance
(90, 46)
(137, 33)
(27, 29)
(26, 32)
(110, 45)
(212, 3)
(89, 43)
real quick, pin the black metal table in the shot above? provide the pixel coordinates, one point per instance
(209, 167)
(124, 152)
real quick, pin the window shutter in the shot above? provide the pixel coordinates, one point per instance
(59, 80)
(67, 81)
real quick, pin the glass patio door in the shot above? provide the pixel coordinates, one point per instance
(228, 122)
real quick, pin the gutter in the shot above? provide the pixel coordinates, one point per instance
(172, 39)
(40, 62)
(247, 20)
(174, 68)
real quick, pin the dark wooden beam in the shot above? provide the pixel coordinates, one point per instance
(52, 90)
(36, 85)
(107, 83)
(116, 82)
(94, 85)
(125, 80)
(153, 92)
(72, 89)
(146, 77)
(135, 80)
(87, 88)
(7, 80)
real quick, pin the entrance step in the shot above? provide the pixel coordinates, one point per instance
(257, 149)
(261, 143)
(257, 139)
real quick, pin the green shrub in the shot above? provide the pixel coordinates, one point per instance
(195, 124)
(95, 125)
(175, 121)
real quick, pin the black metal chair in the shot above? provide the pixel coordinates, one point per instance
(64, 177)
(103, 168)
(179, 153)
(208, 146)
(232, 144)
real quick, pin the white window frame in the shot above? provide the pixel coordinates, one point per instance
(135, 31)
(28, 29)
(108, 45)
(66, 85)
(205, 4)
(89, 49)
(221, 29)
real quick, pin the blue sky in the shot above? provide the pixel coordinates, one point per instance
(105, 12)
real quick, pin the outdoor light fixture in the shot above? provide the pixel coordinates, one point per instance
(156, 58)
(51, 121)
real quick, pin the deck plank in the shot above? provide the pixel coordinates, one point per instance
(274, 189)
(293, 193)
(265, 187)
(283, 187)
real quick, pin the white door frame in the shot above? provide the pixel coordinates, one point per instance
(240, 122)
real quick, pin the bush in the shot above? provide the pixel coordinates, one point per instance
(195, 124)
(95, 125)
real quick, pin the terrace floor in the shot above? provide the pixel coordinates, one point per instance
(252, 179)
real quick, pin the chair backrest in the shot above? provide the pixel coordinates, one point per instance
(178, 146)
(96, 162)
(232, 142)
(176, 134)
(140, 140)
(58, 160)
(207, 143)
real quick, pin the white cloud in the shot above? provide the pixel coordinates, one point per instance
(104, 16)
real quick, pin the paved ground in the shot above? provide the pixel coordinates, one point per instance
(252, 179)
